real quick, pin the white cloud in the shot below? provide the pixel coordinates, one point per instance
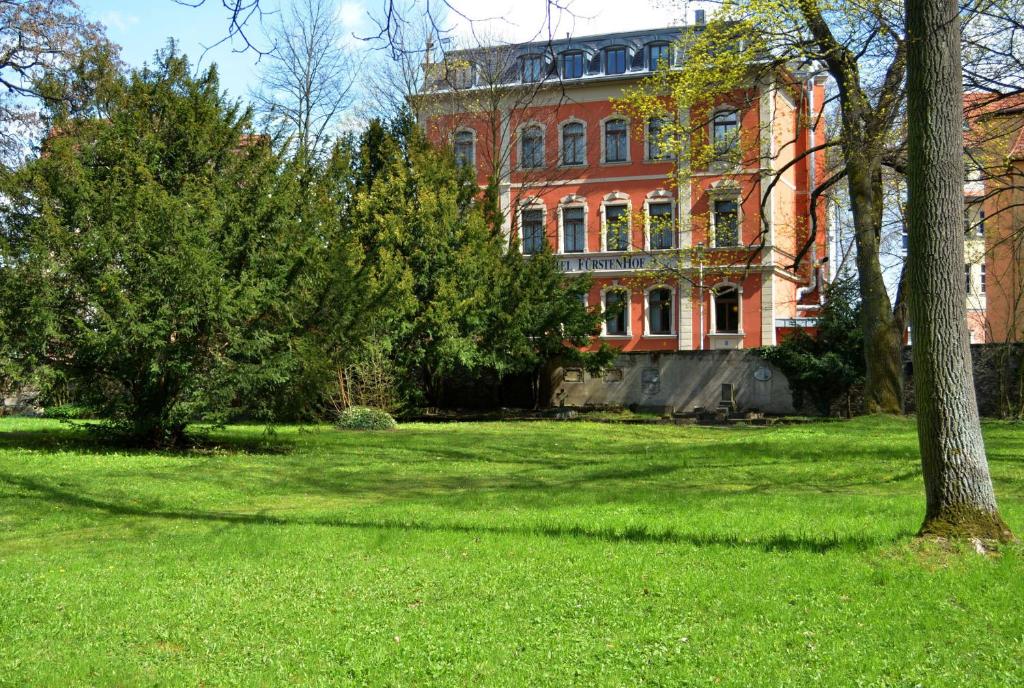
(526, 20)
(118, 21)
(352, 15)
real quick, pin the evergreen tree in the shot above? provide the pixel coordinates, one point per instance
(155, 256)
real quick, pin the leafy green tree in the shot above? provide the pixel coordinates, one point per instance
(539, 317)
(825, 365)
(155, 256)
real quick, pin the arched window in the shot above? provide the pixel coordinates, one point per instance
(573, 144)
(616, 309)
(659, 311)
(616, 141)
(532, 147)
(725, 133)
(464, 144)
(727, 310)
(572, 65)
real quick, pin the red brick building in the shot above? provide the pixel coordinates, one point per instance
(701, 259)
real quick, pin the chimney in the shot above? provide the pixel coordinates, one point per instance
(698, 17)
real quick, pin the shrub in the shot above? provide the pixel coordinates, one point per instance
(366, 418)
(68, 412)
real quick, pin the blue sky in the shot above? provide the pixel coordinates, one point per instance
(143, 26)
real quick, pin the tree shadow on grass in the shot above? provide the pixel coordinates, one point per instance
(80, 439)
(779, 542)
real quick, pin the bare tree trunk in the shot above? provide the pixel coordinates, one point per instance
(883, 337)
(960, 500)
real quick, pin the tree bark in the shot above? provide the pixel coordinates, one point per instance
(960, 500)
(883, 338)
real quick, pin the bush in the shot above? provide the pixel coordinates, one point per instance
(68, 412)
(366, 418)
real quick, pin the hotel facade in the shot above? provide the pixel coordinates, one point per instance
(685, 256)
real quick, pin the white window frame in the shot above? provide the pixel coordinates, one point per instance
(543, 145)
(725, 284)
(673, 314)
(603, 133)
(530, 204)
(656, 197)
(572, 201)
(472, 132)
(620, 199)
(627, 311)
(561, 142)
(522, 68)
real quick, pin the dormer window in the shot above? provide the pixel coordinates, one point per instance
(657, 53)
(615, 61)
(532, 68)
(572, 65)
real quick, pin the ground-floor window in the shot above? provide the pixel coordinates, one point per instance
(616, 311)
(727, 310)
(659, 311)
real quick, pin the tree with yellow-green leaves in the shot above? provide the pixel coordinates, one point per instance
(860, 46)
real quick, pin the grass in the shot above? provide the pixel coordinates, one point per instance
(496, 554)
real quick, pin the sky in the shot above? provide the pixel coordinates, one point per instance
(141, 27)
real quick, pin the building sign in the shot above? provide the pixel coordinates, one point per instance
(615, 263)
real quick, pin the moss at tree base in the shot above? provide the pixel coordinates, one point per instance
(964, 523)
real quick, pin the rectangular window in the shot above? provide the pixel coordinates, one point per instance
(906, 241)
(616, 221)
(574, 238)
(981, 285)
(533, 148)
(533, 68)
(655, 54)
(659, 311)
(533, 231)
(573, 151)
(726, 223)
(725, 134)
(661, 226)
(572, 65)
(615, 310)
(656, 148)
(980, 227)
(967, 277)
(615, 61)
(464, 148)
(615, 141)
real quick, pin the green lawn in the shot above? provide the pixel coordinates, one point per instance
(527, 554)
